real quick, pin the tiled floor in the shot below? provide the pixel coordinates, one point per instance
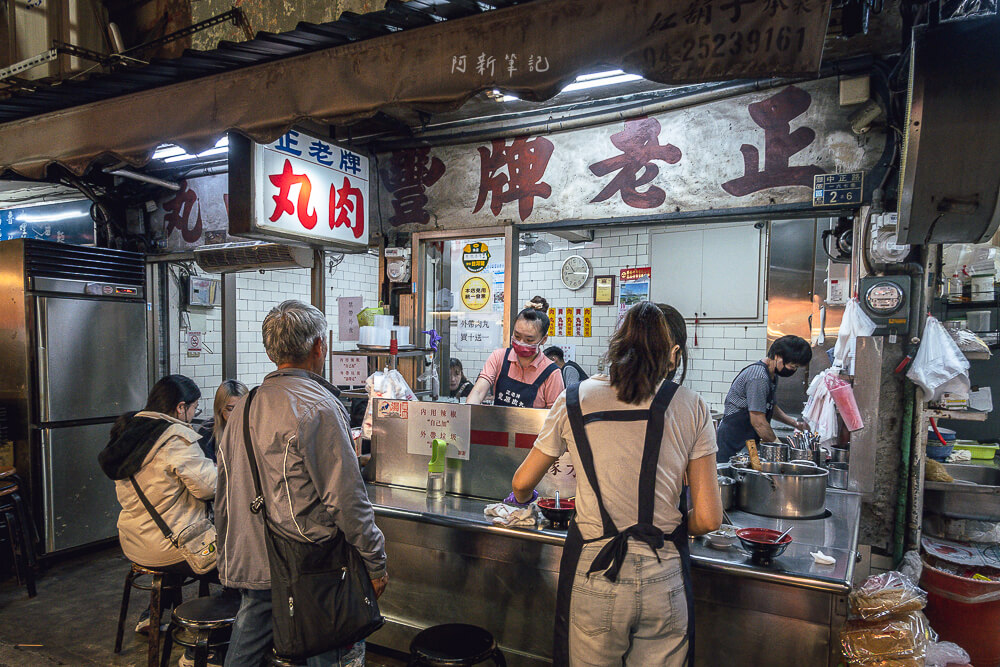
(73, 618)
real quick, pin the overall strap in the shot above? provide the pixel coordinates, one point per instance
(651, 450)
(544, 375)
(504, 368)
(575, 415)
(258, 502)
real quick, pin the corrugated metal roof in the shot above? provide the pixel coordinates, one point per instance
(265, 47)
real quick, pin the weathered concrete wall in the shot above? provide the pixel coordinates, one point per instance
(272, 16)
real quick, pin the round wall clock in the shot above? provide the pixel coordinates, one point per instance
(575, 271)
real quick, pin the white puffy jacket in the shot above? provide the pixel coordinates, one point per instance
(178, 480)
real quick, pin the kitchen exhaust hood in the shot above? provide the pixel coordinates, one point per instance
(234, 257)
(950, 182)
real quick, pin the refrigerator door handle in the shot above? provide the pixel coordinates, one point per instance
(821, 340)
(47, 500)
(43, 359)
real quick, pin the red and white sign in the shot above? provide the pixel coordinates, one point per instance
(310, 189)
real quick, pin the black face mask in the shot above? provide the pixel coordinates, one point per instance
(786, 372)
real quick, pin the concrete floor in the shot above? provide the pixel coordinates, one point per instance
(72, 620)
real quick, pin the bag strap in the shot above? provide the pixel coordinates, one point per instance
(258, 502)
(157, 519)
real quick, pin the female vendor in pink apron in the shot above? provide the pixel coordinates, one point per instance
(520, 375)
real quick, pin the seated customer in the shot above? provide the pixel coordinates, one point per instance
(211, 429)
(459, 386)
(157, 451)
(572, 372)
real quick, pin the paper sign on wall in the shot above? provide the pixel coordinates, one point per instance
(349, 370)
(570, 318)
(477, 332)
(633, 287)
(428, 421)
(569, 352)
(586, 323)
(552, 321)
(348, 308)
(194, 343)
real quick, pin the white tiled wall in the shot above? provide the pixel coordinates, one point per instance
(722, 349)
(256, 294)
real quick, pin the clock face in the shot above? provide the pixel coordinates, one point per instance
(575, 271)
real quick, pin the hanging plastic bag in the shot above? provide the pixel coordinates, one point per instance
(842, 394)
(854, 323)
(820, 412)
(939, 366)
(384, 384)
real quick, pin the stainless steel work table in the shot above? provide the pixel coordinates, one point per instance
(448, 563)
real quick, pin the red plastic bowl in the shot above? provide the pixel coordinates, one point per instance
(558, 517)
(760, 543)
(550, 503)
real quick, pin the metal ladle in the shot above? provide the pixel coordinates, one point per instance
(782, 536)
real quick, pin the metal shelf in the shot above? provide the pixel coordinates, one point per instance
(417, 352)
(965, 415)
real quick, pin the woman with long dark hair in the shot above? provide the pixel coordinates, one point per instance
(634, 438)
(156, 451)
(520, 375)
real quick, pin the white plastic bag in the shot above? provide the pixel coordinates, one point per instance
(942, 654)
(939, 366)
(820, 412)
(384, 384)
(853, 324)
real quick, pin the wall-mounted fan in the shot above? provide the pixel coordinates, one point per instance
(532, 245)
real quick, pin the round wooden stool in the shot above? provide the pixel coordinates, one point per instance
(453, 645)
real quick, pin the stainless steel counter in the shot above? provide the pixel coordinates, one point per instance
(448, 563)
(835, 535)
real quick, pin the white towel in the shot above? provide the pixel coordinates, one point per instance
(959, 455)
(821, 558)
(511, 516)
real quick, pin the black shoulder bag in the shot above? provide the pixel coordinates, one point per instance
(321, 595)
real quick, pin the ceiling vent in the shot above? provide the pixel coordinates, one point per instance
(233, 257)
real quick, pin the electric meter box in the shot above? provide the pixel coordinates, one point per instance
(203, 292)
(886, 299)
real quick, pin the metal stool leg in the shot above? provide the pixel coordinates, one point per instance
(24, 546)
(168, 645)
(15, 533)
(129, 578)
(498, 658)
(155, 611)
(203, 590)
(27, 529)
(201, 649)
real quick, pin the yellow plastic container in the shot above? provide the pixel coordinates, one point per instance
(978, 451)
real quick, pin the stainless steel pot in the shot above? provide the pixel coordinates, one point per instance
(772, 451)
(838, 475)
(727, 487)
(782, 490)
(813, 456)
(840, 455)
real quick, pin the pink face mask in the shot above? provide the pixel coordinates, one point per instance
(523, 349)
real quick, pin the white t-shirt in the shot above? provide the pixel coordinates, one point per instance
(688, 434)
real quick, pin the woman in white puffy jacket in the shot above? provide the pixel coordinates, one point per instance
(159, 449)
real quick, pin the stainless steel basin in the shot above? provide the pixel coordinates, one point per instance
(979, 500)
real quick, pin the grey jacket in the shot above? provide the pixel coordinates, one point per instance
(309, 474)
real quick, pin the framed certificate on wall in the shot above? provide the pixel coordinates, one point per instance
(604, 290)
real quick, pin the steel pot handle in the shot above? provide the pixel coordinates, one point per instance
(804, 462)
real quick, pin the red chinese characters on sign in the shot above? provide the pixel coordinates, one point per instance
(347, 205)
(408, 174)
(525, 160)
(178, 212)
(282, 204)
(780, 144)
(640, 146)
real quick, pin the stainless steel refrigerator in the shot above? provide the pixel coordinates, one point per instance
(73, 357)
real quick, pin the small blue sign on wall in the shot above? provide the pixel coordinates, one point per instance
(838, 189)
(68, 222)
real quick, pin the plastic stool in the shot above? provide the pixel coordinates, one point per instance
(201, 624)
(161, 581)
(454, 644)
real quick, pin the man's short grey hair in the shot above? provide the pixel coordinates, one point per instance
(290, 330)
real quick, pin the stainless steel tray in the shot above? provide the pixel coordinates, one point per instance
(979, 501)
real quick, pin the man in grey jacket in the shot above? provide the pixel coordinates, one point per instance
(310, 479)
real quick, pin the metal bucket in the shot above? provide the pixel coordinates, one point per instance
(840, 455)
(782, 490)
(774, 452)
(727, 487)
(838, 475)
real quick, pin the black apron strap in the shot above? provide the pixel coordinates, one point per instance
(544, 375)
(575, 415)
